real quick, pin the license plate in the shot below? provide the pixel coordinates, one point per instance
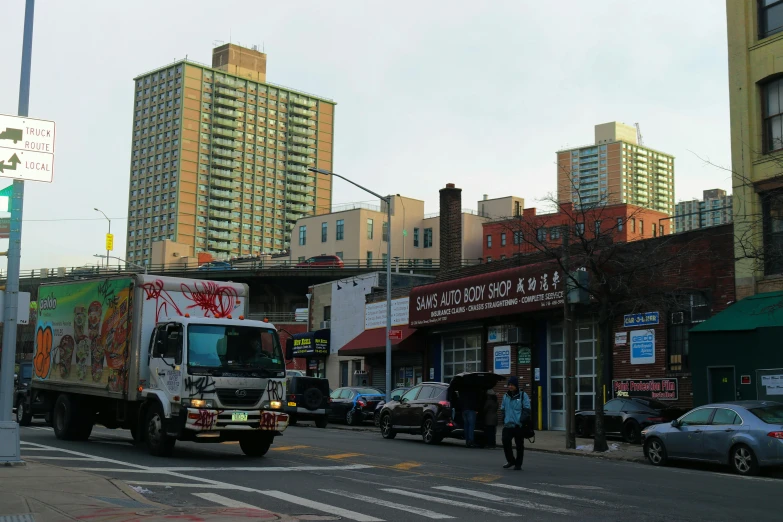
(239, 416)
(293, 404)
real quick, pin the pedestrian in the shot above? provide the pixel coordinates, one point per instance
(516, 409)
(469, 403)
(491, 418)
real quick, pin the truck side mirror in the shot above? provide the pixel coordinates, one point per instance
(289, 349)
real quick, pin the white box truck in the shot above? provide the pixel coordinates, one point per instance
(167, 358)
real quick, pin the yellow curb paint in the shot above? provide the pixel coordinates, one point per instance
(405, 465)
(288, 448)
(342, 456)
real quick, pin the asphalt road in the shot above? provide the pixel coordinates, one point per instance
(359, 476)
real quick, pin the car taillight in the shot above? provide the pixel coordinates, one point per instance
(656, 419)
(775, 434)
(445, 404)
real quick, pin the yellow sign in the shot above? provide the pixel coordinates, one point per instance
(109, 242)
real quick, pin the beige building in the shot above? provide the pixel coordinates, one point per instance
(616, 169)
(220, 156)
(755, 40)
(357, 232)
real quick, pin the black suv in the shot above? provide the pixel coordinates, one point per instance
(308, 398)
(431, 409)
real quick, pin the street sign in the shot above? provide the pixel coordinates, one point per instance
(109, 242)
(5, 228)
(26, 148)
(395, 334)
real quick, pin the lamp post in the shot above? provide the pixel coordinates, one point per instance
(122, 261)
(388, 200)
(109, 220)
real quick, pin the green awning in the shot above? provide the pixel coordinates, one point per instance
(758, 311)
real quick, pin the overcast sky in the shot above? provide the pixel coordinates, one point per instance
(480, 94)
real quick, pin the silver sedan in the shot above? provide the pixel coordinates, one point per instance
(746, 435)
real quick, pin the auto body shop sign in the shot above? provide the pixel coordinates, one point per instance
(511, 291)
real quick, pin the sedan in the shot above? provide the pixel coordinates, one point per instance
(626, 417)
(396, 394)
(745, 435)
(354, 404)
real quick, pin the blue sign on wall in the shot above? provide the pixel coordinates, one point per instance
(643, 319)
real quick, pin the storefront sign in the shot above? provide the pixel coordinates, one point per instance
(643, 319)
(523, 355)
(375, 314)
(642, 346)
(502, 358)
(505, 292)
(660, 389)
(311, 344)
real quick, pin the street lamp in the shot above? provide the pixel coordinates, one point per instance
(122, 261)
(109, 220)
(388, 200)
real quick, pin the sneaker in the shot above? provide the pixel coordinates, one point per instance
(508, 465)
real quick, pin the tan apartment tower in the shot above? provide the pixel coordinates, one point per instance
(220, 156)
(616, 169)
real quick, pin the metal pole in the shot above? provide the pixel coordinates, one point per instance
(388, 298)
(9, 430)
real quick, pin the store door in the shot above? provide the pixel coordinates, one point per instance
(722, 384)
(585, 352)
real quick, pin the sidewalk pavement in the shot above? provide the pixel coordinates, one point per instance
(43, 493)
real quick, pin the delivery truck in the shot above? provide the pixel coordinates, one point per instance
(167, 358)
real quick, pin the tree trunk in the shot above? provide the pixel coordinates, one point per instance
(599, 443)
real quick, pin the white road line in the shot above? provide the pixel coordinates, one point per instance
(326, 508)
(393, 505)
(450, 502)
(510, 501)
(228, 502)
(553, 495)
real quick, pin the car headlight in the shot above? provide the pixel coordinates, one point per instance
(197, 403)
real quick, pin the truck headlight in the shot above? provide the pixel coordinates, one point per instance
(197, 403)
(275, 405)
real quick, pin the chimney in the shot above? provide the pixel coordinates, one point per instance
(450, 228)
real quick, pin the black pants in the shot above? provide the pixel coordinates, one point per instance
(515, 434)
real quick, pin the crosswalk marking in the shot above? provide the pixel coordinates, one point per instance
(343, 456)
(392, 505)
(449, 502)
(550, 494)
(510, 501)
(228, 502)
(326, 508)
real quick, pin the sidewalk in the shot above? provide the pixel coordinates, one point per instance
(42, 493)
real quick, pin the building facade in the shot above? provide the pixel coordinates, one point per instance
(714, 209)
(755, 41)
(220, 157)
(616, 169)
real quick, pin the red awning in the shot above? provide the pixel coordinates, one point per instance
(374, 341)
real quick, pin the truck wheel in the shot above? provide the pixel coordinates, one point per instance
(23, 416)
(159, 443)
(255, 446)
(321, 422)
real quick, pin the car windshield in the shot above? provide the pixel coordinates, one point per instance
(368, 391)
(769, 414)
(234, 348)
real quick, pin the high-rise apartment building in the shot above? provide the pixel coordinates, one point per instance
(220, 157)
(616, 169)
(714, 209)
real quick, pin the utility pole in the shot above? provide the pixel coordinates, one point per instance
(568, 345)
(9, 429)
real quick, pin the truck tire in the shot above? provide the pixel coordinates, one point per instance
(24, 415)
(70, 420)
(256, 446)
(159, 443)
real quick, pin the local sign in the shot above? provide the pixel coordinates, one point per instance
(26, 148)
(504, 292)
(660, 389)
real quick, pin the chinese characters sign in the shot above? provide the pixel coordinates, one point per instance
(515, 290)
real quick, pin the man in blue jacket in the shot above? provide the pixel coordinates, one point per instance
(516, 409)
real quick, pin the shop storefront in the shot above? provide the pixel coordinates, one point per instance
(314, 348)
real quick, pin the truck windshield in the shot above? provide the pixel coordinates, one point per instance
(234, 348)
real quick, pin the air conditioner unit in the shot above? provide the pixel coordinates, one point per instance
(678, 318)
(326, 324)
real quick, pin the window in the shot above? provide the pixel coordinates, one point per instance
(369, 258)
(369, 229)
(597, 227)
(427, 238)
(489, 240)
(416, 237)
(323, 232)
(302, 235)
(541, 234)
(697, 418)
(340, 232)
(619, 224)
(723, 416)
(518, 237)
(770, 17)
(580, 229)
(503, 239)
(772, 208)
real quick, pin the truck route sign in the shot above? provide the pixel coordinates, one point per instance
(26, 148)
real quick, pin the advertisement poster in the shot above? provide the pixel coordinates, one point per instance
(82, 333)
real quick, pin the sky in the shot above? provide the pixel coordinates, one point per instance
(480, 94)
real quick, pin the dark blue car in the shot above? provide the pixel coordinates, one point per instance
(355, 405)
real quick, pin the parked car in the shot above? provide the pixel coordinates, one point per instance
(395, 395)
(355, 405)
(626, 417)
(216, 265)
(746, 435)
(322, 261)
(307, 399)
(432, 409)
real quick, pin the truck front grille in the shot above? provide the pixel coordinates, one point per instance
(228, 397)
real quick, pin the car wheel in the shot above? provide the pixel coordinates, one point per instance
(656, 452)
(321, 422)
(632, 432)
(580, 427)
(23, 417)
(744, 461)
(159, 443)
(386, 427)
(428, 434)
